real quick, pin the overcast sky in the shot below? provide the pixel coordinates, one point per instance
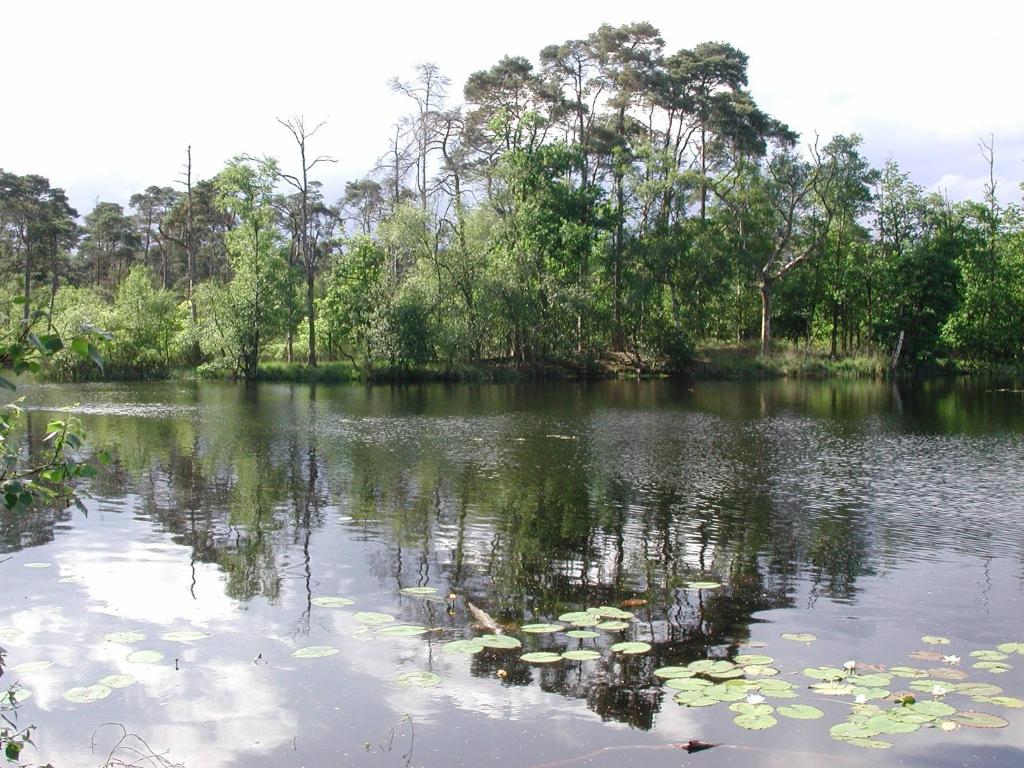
(103, 97)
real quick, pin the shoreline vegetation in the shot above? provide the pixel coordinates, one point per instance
(608, 208)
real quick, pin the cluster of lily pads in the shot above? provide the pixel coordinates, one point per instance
(101, 689)
(880, 701)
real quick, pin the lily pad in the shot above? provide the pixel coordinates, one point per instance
(883, 723)
(421, 679)
(631, 648)
(419, 591)
(14, 697)
(87, 694)
(688, 683)
(755, 670)
(694, 699)
(755, 722)
(38, 565)
(611, 612)
(32, 666)
(501, 642)
(402, 630)
(932, 708)
(145, 657)
(580, 618)
(332, 602)
(668, 673)
(978, 689)
(799, 637)
(314, 652)
(696, 585)
(995, 667)
(583, 655)
(541, 629)
(462, 647)
(800, 712)
(541, 657)
(118, 681)
(754, 659)
(870, 681)
(870, 743)
(373, 619)
(1011, 648)
(935, 640)
(944, 673)
(989, 655)
(824, 673)
(1003, 701)
(612, 626)
(835, 689)
(845, 731)
(725, 693)
(125, 638)
(926, 656)
(974, 719)
(185, 636)
(582, 634)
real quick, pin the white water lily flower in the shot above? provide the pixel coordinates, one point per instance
(938, 690)
(755, 698)
(861, 699)
(850, 665)
(951, 659)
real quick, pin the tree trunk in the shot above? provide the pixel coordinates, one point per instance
(765, 288)
(312, 322)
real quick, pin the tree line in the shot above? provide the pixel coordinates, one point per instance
(609, 198)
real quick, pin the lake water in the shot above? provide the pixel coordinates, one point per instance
(867, 514)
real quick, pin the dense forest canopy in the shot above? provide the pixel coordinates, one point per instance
(610, 197)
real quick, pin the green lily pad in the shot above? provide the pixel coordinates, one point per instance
(696, 585)
(612, 626)
(38, 565)
(125, 638)
(501, 642)
(118, 681)
(935, 640)
(687, 684)
(799, 637)
(611, 612)
(824, 673)
(755, 670)
(725, 693)
(1011, 648)
(145, 657)
(87, 694)
(314, 652)
(995, 667)
(834, 689)
(945, 673)
(694, 699)
(974, 719)
(402, 630)
(870, 681)
(1003, 701)
(583, 634)
(10, 698)
(462, 647)
(908, 715)
(541, 629)
(978, 689)
(419, 591)
(986, 655)
(755, 722)
(185, 636)
(631, 648)
(583, 655)
(421, 679)
(883, 723)
(753, 659)
(32, 666)
(927, 685)
(746, 708)
(774, 685)
(668, 673)
(541, 657)
(933, 708)
(580, 618)
(373, 619)
(800, 712)
(332, 602)
(845, 731)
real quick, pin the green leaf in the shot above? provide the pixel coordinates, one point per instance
(799, 637)
(501, 642)
(80, 347)
(975, 719)
(422, 679)
(669, 673)
(582, 655)
(314, 652)
(631, 649)
(755, 722)
(402, 630)
(541, 657)
(127, 637)
(541, 629)
(373, 619)
(419, 591)
(582, 634)
(932, 708)
(185, 636)
(118, 681)
(87, 694)
(800, 712)
(325, 601)
(462, 647)
(145, 657)
(935, 640)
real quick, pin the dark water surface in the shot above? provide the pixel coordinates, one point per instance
(866, 514)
